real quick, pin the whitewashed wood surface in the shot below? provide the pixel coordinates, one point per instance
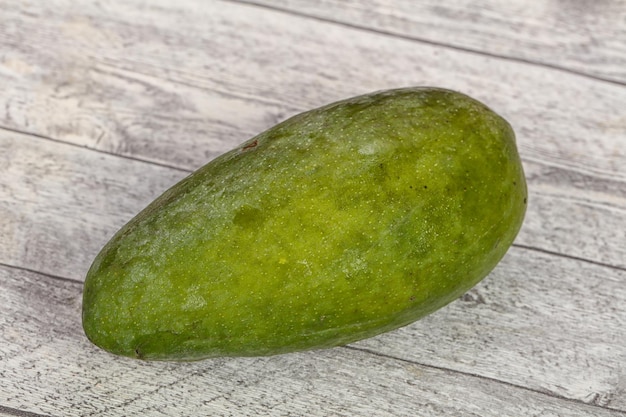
(105, 104)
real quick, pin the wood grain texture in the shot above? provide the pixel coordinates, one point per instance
(50, 366)
(136, 90)
(106, 104)
(575, 35)
(53, 219)
(14, 412)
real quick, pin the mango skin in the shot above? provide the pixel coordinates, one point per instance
(335, 225)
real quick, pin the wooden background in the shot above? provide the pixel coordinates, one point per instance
(105, 104)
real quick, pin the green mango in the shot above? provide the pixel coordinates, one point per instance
(335, 225)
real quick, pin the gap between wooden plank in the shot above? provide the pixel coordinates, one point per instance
(564, 255)
(19, 413)
(43, 274)
(427, 41)
(48, 138)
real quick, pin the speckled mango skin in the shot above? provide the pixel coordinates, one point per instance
(336, 225)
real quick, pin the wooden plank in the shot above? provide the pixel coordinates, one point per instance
(129, 97)
(575, 213)
(73, 199)
(109, 85)
(104, 81)
(588, 38)
(48, 367)
(59, 203)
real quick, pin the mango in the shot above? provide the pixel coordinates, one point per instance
(335, 225)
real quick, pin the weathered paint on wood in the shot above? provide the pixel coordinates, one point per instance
(104, 105)
(578, 36)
